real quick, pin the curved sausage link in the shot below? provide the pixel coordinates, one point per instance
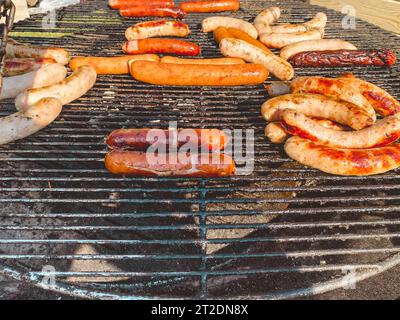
(266, 17)
(346, 162)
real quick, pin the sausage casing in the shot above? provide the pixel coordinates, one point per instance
(210, 6)
(143, 164)
(346, 162)
(157, 28)
(212, 23)
(280, 40)
(118, 4)
(241, 49)
(166, 46)
(213, 61)
(342, 58)
(17, 66)
(382, 133)
(110, 65)
(318, 22)
(198, 75)
(265, 18)
(151, 11)
(316, 105)
(141, 139)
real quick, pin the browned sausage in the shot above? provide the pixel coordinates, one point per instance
(166, 46)
(14, 67)
(118, 4)
(382, 133)
(141, 139)
(151, 11)
(346, 162)
(198, 75)
(210, 6)
(157, 28)
(216, 61)
(143, 164)
(110, 65)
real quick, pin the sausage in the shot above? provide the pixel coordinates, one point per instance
(318, 22)
(382, 133)
(141, 139)
(210, 6)
(212, 23)
(157, 28)
(241, 49)
(213, 61)
(267, 17)
(280, 40)
(239, 34)
(222, 33)
(118, 4)
(143, 164)
(277, 134)
(315, 45)
(19, 50)
(198, 75)
(26, 122)
(316, 105)
(159, 45)
(110, 65)
(73, 87)
(380, 99)
(151, 11)
(342, 58)
(359, 92)
(17, 66)
(44, 76)
(278, 88)
(346, 162)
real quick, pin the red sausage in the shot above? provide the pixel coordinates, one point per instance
(163, 165)
(210, 6)
(118, 4)
(156, 45)
(141, 139)
(151, 11)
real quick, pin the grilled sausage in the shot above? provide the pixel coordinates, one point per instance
(24, 123)
(280, 40)
(118, 4)
(315, 45)
(357, 91)
(142, 164)
(277, 134)
(19, 50)
(17, 66)
(158, 28)
(241, 49)
(382, 133)
(278, 88)
(198, 75)
(318, 22)
(212, 23)
(267, 17)
(151, 11)
(342, 58)
(110, 65)
(239, 34)
(210, 6)
(316, 105)
(157, 45)
(44, 76)
(213, 61)
(222, 33)
(73, 87)
(346, 162)
(141, 139)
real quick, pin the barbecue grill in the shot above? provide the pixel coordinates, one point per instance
(284, 231)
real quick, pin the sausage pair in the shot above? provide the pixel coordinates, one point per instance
(122, 161)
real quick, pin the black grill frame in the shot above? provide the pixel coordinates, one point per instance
(173, 236)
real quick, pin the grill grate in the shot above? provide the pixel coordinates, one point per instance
(283, 231)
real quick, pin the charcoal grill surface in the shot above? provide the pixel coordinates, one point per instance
(283, 231)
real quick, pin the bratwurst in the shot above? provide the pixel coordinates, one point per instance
(382, 133)
(346, 162)
(144, 164)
